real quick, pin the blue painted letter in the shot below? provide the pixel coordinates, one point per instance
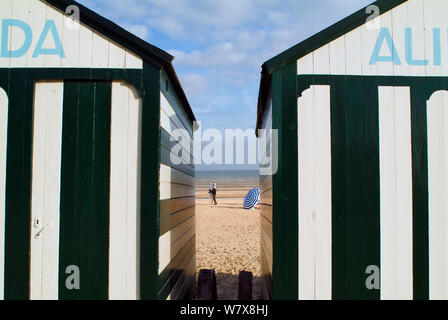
(409, 59)
(385, 36)
(6, 24)
(437, 47)
(50, 26)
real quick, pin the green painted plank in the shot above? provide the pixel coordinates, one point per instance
(420, 190)
(266, 276)
(170, 142)
(176, 219)
(150, 206)
(18, 185)
(41, 74)
(355, 185)
(421, 90)
(169, 277)
(266, 211)
(174, 101)
(186, 285)
(172, 206)
(187, 290)
(20, 93)
(166, 160)
(285, 225)
(84, 224)
(371, 183)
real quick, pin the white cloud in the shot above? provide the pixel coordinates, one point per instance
(195, 83)
(220, 45)
(221, 55)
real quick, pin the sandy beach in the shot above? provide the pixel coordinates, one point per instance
(228, 241)
(227, 189)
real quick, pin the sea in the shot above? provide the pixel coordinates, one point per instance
(230, 176)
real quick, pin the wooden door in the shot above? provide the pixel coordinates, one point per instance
(70, 202)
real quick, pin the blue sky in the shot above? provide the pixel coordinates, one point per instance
(219, 46)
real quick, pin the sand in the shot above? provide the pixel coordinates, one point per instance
(228, 240)
(230, 188)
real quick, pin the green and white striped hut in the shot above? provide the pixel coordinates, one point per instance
(358, 208)
(90, 205)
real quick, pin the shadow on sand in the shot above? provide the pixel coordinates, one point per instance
(227, 287)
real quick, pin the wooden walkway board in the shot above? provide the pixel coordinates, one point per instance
(207, 285)
(245, 285)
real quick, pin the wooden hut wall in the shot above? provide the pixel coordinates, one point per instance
(363, 163)
(370, 128)
(79, 147)
(177, 259)
(266, 215)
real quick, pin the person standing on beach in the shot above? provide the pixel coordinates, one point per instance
(214, 191)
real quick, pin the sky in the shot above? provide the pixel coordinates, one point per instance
(220, 45)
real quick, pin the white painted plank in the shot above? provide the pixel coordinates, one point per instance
(438, 194)
(443, 7)
(387, 191)
(164, 251)
(47, 150)
(322, 186)
(305, 65)
(171, 123)
(172, 190)
(118, 192)
(85, 47)
(124, 250)
(404, 231)
(117, 56)
(396, 193)
(169, 247)
(133, 61)
(422, 16)
(369, 37)
(134, 195)
(353, 57)
(399, 23)
(322, 60)
(432, 19)
(180, 135)
(100, 51)
(306, 196)
(173, 117)
(36, 17)
(265, 145)
(17, 35)
(3, 148)
(71, 32)
(171, 175)
(80, 47)
(5, 13)
(416, 17)
(314, 194)
(54, 60)
(337, 56)
(386, 68)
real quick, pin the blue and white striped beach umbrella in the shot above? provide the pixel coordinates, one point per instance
(252, 199)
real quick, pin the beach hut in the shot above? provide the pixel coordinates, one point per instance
(91, 206)
(357, 208)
